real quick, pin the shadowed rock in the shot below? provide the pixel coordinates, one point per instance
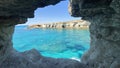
(104, 16)
(20, 10)
(32, 59)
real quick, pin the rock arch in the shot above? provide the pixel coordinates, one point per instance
(104, 29)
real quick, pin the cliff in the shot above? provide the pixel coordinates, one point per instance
(68, 24)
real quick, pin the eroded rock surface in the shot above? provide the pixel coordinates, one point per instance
(32, 59)
(104, 16)
(20, 10)
(104, 31)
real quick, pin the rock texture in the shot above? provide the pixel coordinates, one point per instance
(14, 12)
(69, 24)
(104, 29)
(104, 16)
(32, 59)
(20, 10)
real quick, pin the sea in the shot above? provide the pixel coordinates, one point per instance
(56, 43)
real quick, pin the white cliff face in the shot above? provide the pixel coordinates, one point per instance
(104, 17)
(69, 24)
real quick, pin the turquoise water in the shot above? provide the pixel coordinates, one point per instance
(57, 43)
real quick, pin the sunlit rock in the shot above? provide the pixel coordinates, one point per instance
(81, 24)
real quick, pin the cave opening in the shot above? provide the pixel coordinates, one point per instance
(104, 33)
(53, 42)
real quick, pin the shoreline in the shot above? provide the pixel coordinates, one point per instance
(75, 24)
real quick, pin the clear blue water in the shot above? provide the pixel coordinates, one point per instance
(57, 43)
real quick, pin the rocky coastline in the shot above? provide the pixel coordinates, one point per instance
(81, 24)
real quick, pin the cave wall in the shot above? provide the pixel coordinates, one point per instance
(104, 31)
(5, 41)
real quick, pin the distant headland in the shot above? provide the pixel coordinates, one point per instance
(68, 24)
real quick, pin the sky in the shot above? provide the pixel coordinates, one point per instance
(50, 14)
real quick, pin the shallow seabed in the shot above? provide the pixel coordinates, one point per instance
(57, 43)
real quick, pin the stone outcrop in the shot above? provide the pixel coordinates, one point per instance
(22, 8)
(32, 59)
(69, 24)
(14, 12)
(104, 16)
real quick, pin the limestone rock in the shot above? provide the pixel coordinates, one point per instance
(69, 24)
(104, 17)
(21, 9)
(32, 59)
